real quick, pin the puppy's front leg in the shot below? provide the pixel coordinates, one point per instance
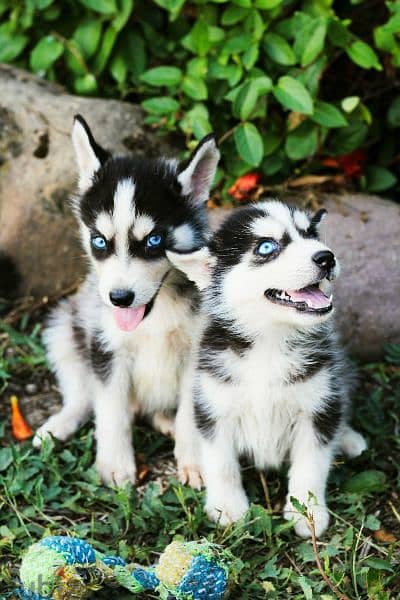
(187, 437)
(310, 463)
(226, 499)
(115, 459)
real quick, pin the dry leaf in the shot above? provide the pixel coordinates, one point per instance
(384, 536)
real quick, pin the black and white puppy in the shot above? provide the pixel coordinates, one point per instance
(270, 379)
(120, 345)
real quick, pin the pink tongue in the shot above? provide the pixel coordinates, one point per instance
(312, 296)
(128, 319)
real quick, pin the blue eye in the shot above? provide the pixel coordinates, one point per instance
(99, 243)
(267, 247)
(153, 241)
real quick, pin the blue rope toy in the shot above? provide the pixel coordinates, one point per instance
(66, 568)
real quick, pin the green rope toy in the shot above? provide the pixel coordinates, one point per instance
(64, 568)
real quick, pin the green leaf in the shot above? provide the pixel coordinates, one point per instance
(347, 139)
(249, 143)
(236, 44)
(350, 103)
(338, 33)
(293, 95)
(196, 121)
(272, 141)
(315, 43)
(118, 68)
(6, 458)
(11, 43)
(363, 55)
(302, 141)
(278, 49)
(174, 7)
(328, 115)
(393, 114)
(105, 7)
(198, 39)
(162, 76)
(87, 35)
(233, 14)
(378, 563)
(45, 53)
(245, 101)
(195, 88)
(372, 523)
(365, 482)
(161, 105)
(250, 56)
(267, 4)
(379, 179)
(85, 85)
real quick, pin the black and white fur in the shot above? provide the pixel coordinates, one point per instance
(270, 379)
(101, 368)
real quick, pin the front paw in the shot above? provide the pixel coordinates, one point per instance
(116, 470)
(227, 510)
(58, 426)
(320, 516)
(190, 475)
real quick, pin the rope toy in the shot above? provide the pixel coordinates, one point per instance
(66, 568)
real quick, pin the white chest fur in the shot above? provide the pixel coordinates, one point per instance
(258, 409)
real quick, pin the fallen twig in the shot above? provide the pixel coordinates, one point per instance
(324, 576)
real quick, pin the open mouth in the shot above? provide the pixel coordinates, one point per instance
(310, 299)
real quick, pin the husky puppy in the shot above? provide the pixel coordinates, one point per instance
(120, 345)
(270, 377)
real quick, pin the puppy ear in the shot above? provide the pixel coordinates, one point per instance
(316, 221)
(197, 173)
(196, 265)
(89, 155)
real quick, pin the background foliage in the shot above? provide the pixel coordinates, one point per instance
(284, 83)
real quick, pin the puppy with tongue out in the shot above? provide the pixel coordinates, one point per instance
(120, 346)
(271, 380)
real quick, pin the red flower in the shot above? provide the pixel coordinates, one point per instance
(244, 186)
(351, 164)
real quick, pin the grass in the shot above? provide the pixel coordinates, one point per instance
(56, 491)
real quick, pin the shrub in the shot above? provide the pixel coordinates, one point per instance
(288, 86)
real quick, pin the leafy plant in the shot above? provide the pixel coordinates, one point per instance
(283, 82)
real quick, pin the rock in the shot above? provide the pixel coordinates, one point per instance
(364, 232)
(38, 173)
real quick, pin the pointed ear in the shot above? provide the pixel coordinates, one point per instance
(197, 173)
(89, 155)
(316, 221)
(196, 265)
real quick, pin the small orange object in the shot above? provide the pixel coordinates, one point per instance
(244, 186)
(20, 428)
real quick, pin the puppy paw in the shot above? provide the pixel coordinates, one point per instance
(164, 424)
(116, 471)
(227, 511)
(58, 426)
(352, 444)
(190, 475)
(302, 527)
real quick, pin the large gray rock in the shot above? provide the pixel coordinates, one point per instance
(38, 173)
(364, 232)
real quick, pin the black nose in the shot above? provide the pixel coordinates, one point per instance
(122, 298)
(324, 259)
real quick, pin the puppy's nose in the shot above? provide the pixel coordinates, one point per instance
(325, 259)
(122, 298)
